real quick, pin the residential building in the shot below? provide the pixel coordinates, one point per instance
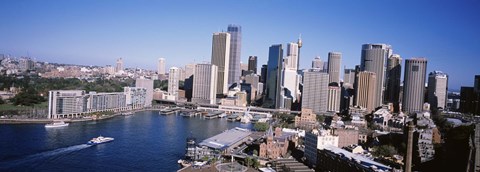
(135, 96)
(173, 81)
(119, 65)
(148, 84)
(62, 103)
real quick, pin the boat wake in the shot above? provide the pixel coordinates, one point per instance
(35, 158)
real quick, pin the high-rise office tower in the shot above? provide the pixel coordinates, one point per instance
(204, 84)
(119, 66)
(234, 71)
(315, 91)
(290, 82)
(437, 89)
(189, 70)
(252, 64)
(393, 72)
(148, 84)
(349, 76)
(366, 87)
(333, 104)
(253, 80)
(292, 56)
(173, 81)
(334, 60)
(373, 59)
(274, 76)
(414, 84)
(221, 59)
(161, 66)
(317, 64)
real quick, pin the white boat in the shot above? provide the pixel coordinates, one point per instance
(100, 140)
(56, 124)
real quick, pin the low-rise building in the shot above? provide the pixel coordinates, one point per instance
(335, 159)
(306, 120)
(318, 139)
(275, 145)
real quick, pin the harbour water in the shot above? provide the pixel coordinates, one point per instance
(145, 141)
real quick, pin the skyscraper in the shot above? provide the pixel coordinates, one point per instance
(315, 91)
(119, 66)
(437, 89)
(333, 104)
(394, 72)
(204, 84)
(252, 64)
(161, 66)
(173, 81)
(189, 70)
(234, 71)
(414, 84)
(274, 76)
(292, 56)
(221, 59)
(148, 84)
(476, 84)
(366, 87)
(349, 76)
(317, 64)
(290, 82)
(373, 59)
(334, 60)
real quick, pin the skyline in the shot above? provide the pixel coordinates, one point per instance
(98, 33)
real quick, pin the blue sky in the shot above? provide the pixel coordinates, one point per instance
(87, 32)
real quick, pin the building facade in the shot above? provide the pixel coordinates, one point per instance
(315, 91)
(373, 59)
(204, 84)
(333, 104)
(334, 63)
(414, 84)
(365, 89)
(173, 81)
(161, 66)
(252, 64)
(274, 76)
(437, 89)
(234, 71)
(221, 59)
(147, 84)
(394, 72)
(135, 96)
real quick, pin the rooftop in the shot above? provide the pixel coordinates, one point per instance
(362, 160)
(226, 139)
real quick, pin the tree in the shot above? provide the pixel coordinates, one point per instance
(384, 150)
(256, 163)
(2, 101)
(261, 126)
(320, 118)
(255, 152)
(248, 161)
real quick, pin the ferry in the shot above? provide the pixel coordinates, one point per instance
(56, 124)
(100, 140)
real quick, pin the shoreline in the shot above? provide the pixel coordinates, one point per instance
(46, 120)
